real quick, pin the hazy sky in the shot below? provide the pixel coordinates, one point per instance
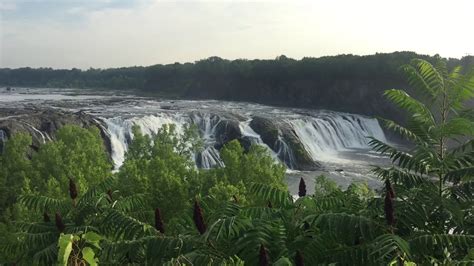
(112, 33)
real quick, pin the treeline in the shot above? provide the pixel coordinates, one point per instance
(343, 83)
(114, 78)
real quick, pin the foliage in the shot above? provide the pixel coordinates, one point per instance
(433, 178)
(324, 186)
(160, 168)
(159, 209)
(14, 169)
(76, 153)
(78, 249)
(254, 166)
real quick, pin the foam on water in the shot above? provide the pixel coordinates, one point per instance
(323, 137)
(322, 134)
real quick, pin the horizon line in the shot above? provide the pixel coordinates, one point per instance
(242, 59)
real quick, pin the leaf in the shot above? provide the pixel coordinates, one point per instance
(226, 228)
(346, 228)
(93, 192)
(119, 224)
(457, 127)
(88, 255)
(43, 204)
(92, 238)
(131, 203)
(47, 255)
(426, 78)
(65, 248)
(417, 110)
(390, 246)
(274, 195)
(466, 174)
(418, 162)
(283, 261)
(428, 243)
(402, 131)
(470, 255)
(398, 176)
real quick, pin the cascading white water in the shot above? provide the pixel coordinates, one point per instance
(254, 137)
(3, 135)
(322, 134)
(44, 135)
(206, 123)
(284, 153)
(327, 134)
(120, 131)
(3, 139)
(209, 158)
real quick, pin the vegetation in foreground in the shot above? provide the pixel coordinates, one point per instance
(63, 205)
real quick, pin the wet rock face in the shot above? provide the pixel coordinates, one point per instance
(42, 124)
(273, 133)
(227, 130)
(267, 130)
(302, 159)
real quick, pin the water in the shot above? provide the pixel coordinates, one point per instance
(328, 133)
(323, 134)
(336, 140)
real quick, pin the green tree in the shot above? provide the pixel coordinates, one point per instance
(438, 125)
(15, 168)
(434, 179)
(254, 166)
(78, 154)
(161, 168)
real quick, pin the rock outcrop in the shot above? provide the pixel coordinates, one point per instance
(227, 130)
(282, 139)
(42, 124)
(267, 130)
(302, 159)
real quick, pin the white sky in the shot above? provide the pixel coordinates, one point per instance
(110, 33)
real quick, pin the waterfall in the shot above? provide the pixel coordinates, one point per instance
(120, 131)
(285, 153)
(3, 135)
(325, 135)
(209, 158)
(322, 134)
(250, 134)
(206, 124)
(3, 138)
(44, 135)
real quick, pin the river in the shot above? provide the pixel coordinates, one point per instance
(332, 143)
